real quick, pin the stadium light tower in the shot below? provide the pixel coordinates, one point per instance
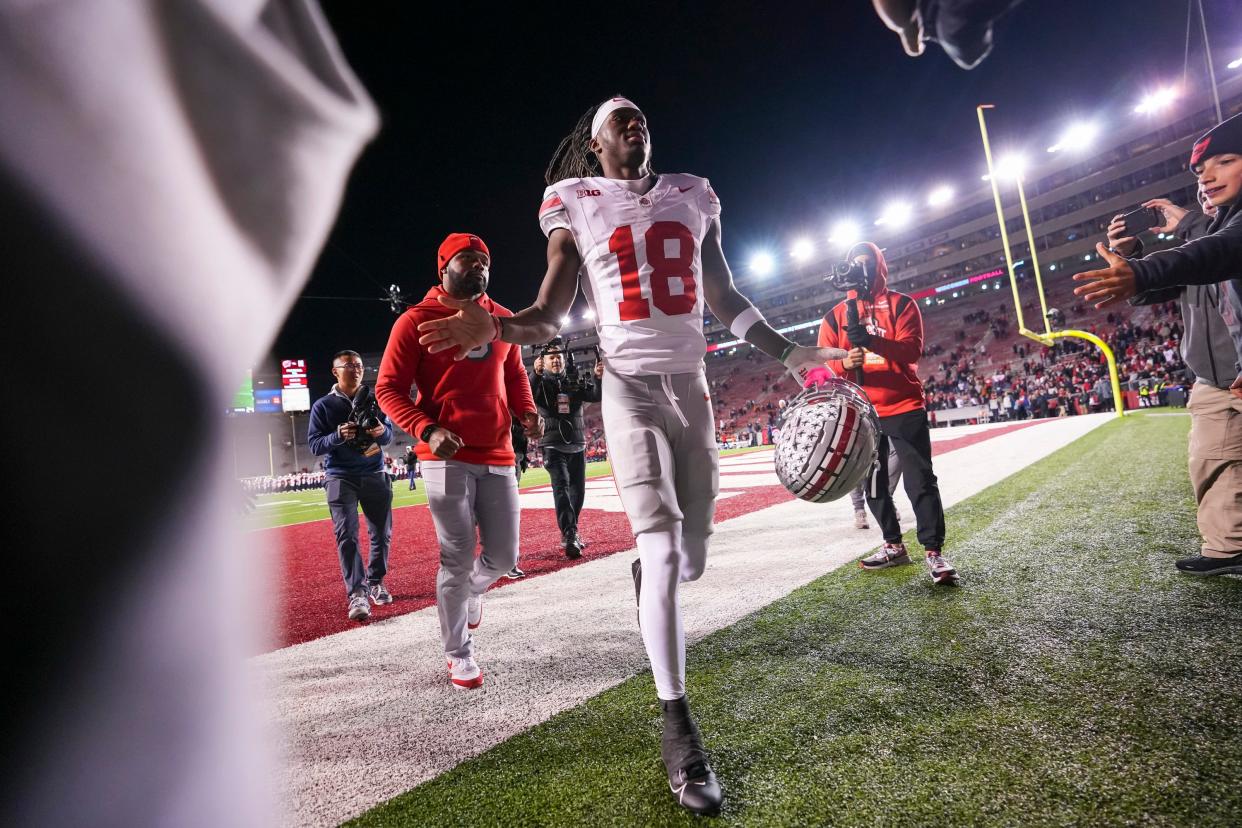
(802, 250)
(845, 234)
(1235, 64)
(940, 196)
(762, 264)
(1154, 102)
(896, 214)
(1077, 137)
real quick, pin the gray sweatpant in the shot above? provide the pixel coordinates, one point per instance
(858, 496)
(461, 497)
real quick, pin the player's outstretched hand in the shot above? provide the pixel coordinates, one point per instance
(1109, 285)
(469, 328)
(803, 358)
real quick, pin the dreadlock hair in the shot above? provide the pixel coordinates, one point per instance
(573, 157)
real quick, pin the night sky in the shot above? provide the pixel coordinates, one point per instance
(799, 113)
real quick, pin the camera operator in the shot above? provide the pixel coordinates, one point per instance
(348, 427)
(883, 331)
(559, 396)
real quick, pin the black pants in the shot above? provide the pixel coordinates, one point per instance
(908, 433)
(568, 472)
(374, 493)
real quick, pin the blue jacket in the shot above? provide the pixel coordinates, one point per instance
(327, 413)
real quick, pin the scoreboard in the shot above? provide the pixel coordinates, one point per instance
(295, 390)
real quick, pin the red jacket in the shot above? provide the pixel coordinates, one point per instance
(896, 329)
(472, 398)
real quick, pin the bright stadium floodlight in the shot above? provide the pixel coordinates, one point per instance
(566, 319)
(762, 263)
(845, 234)
(1010, 167)
(802, 250)
(1234, 64)
(1155, 101)
(940, 196)
(1077, 137)
(588, 314)
(896, 214)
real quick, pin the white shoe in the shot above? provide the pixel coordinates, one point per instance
(464, 673)
(942, 572)
(860, 520)
(474, 611)
(359, 609)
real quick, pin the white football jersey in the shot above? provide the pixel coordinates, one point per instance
(642, 266)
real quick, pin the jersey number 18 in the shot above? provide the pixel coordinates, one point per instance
(663, 270)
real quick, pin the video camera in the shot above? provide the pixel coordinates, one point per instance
(850, 275)
(365, 413)
(576, 375)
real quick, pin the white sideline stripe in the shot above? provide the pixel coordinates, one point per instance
(368, 713)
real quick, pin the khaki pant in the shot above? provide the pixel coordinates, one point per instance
(1216, 467)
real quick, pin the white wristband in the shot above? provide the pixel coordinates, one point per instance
(744, 321)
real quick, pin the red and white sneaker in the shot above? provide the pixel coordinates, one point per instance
(942, 572)
(474, 611)
(465, 673)
(890, 554)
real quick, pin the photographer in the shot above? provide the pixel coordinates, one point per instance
(348, 427)
(559, 396)
(883, 331)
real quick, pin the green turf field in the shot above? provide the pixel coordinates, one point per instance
(1073, 679)
(300, 507)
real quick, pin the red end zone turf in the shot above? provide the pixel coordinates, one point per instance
(311, 594)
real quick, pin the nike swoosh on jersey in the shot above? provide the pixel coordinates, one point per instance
(686, 189)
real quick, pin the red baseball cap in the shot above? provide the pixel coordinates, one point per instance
(455, 243)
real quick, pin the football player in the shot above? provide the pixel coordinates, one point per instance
(647, 246)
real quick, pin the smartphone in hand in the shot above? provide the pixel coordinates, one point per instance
(1144, 218)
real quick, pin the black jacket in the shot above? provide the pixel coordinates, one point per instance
(1216, 257)
(562, 431)
(1207, 347)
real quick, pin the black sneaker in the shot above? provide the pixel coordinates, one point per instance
(515, 573)
(578, 540)
(690, 778)
(571, 547)
(636, 570)
(380, 594)
(1199, 565)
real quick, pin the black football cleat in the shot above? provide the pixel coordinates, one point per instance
(690, 778)
(636, 570)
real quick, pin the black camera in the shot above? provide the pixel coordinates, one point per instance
(365, 413)
(851, 276)
(576, 376)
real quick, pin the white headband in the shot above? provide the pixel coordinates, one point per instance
(606, 109)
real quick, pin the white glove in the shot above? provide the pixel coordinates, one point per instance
(803, 358)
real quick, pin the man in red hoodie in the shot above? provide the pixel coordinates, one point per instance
(461, 416)
(884, 343)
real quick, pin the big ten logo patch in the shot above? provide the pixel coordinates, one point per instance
(585, 193)
(480, 352)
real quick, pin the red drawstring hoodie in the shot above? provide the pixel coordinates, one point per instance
(471, 398)
(896, 329)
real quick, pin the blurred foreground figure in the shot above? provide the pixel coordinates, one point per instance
(170, 169)
(963, 28)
